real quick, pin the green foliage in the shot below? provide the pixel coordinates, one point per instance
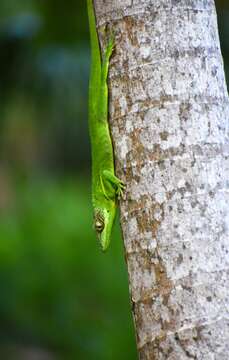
(57, 289)
(66, 23)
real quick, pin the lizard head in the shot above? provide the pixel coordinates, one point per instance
(103, 223)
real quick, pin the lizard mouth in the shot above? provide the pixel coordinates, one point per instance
(103, 241)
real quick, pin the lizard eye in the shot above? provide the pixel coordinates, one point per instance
(99, 226)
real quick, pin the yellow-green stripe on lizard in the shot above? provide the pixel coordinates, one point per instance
(106, 187)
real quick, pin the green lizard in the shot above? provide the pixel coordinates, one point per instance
(106, 187)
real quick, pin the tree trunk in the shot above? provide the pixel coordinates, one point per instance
(169, 119)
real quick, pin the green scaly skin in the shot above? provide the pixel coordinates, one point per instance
(106, 187)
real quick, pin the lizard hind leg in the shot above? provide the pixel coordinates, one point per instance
(116, 183)
(103, 97)
(109, 48)
(106, 57)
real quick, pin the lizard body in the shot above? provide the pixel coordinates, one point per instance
(106, 187)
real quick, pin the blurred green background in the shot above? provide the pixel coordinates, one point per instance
(60, 298)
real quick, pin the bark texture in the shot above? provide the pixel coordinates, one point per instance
(169, 119)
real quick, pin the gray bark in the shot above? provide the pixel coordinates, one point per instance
(169, 119)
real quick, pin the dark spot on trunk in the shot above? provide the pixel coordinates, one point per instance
(164, 135)
(179, 259)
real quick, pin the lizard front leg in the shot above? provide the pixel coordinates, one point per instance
(116, 183)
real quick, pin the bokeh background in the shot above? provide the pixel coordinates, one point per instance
(60, 298)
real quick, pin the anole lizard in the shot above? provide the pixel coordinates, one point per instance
(106, 187)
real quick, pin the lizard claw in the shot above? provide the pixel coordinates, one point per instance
(120, 189)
